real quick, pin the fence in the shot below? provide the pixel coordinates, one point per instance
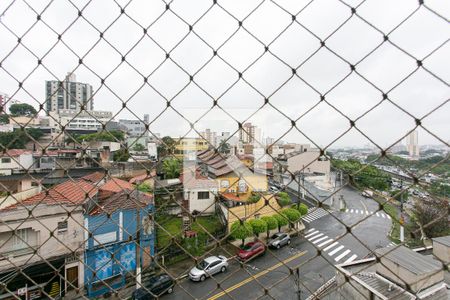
(225, 97)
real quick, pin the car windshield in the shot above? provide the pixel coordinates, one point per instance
(247, 247)
(275, 236)
(202, 265)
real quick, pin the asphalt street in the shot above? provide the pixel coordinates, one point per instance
(273, 275)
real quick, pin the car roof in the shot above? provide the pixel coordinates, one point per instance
(211, 259)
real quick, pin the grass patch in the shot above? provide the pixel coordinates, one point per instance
(173, 226)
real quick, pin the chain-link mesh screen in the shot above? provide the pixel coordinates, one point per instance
(236, 149)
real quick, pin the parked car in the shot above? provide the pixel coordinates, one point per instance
(251, 250)
(279, 240)
(154, 287)
(367, 193)
(208, 267)
(273, 189)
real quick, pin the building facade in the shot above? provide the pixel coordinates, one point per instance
(68, 94)
(412, 144)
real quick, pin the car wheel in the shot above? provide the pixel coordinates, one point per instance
(223, 269)
(278, 246)
(202, 278)
(170, 290)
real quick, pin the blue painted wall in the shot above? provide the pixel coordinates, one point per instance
(110, 261)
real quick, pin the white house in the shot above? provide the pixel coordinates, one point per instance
(15, 159)
(199, 193)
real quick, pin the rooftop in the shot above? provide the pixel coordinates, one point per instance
(444, 240)
(125, 199)
(410, 260)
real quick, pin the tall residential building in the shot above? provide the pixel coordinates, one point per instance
(209, 136)
(250, 133)
(412, 144)
(68, 94)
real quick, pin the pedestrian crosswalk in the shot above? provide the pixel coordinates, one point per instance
(315, 214)
(378, 214)
(328, 245)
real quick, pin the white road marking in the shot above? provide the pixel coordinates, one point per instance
(321, 239)
(312, 233)
(336, 250)
(351, 210)
(346, 210)
(309, 230)
(378, 214)
(341, 256)
(330, 246)
(388, 216)
(324, 243)
(315, 237)
(352, 258)
(383, 216)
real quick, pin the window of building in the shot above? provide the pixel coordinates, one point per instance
(6, 160)
(20, 238)
(62, 226)
(202, 195)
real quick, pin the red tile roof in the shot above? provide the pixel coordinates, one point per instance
(94, 177)
(140, 178)
(14, 152)
(116, 185)
(69, 193)
(123, 200)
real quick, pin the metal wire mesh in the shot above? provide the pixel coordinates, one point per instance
(87, 229)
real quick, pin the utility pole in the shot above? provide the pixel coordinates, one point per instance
(401, 221)
(138, 243)
(299, 291)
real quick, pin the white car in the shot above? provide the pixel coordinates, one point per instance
(208, 267)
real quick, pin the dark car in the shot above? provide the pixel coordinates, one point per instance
(251, 250)
(279, 239)
(153, 287)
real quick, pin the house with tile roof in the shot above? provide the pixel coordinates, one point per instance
(200, 192)
(45, 232)
(232, 176)
(110, 255)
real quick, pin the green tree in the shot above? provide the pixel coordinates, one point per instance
(258, 226)
(283, 199)
(103, 136)
(302, 209)
(171, 168)
(144, 187)
(292, 215)
(166, 147)
(224, 148)
(282, 220)
(22, 109)
(271, 223)
(121, 155)
(139, 147)
(241, 231)
(4, 119)
(19, 138)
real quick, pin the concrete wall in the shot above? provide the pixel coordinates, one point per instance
(442, 252)
(45, 219)
(309, 161)
(10, 200)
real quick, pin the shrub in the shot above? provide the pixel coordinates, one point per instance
(253, 198)
(292, 214)
(258, 226)
(240, 231)
(282, 220)
(283, 199)
(271, 222)
(302, 209)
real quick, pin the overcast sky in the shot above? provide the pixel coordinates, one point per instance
(290, 45)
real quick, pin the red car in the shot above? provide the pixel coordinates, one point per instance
(251, 250)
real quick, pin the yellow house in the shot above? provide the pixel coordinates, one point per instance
(186, 148)
(232, 176)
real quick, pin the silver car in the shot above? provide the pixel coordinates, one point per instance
(279, 239)
(208, 267)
